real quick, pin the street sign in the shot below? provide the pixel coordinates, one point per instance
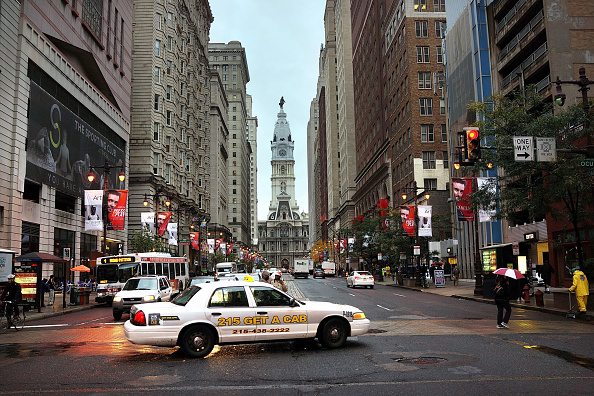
(379, 257)
(66, 253)
(523, 148)
(417, 250)
(546, 149)
(516, 248)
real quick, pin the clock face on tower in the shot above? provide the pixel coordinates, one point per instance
(282, 152)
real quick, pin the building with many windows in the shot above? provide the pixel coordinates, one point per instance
(229, 60)
(252, 136)
(284, 235)
(66, 69)
(169, 142)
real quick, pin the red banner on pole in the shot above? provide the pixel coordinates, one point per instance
(162, 221)
(195, 240)
(462, 189)
(407, 215)
(116, 208)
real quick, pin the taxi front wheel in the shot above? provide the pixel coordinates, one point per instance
(333, 334)
(197, 341)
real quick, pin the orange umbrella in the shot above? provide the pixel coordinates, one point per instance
(81, 268)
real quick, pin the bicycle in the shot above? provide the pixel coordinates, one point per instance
(6, 322)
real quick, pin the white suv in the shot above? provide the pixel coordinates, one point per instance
(141, 289)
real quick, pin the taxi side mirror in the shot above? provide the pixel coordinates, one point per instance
(293, 303)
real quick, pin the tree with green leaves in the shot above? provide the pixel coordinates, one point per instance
(145, 241)
(527, 191)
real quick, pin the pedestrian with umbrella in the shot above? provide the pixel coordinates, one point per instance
(502, 294)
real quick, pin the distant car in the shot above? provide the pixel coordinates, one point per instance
(141, 289)
(360, 278)
(318, 273)
(283, 269)
(229, 312)
(202, 279)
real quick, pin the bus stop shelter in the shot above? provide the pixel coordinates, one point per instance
(30, 272)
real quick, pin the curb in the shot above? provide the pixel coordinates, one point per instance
(32, 316)
(588, 318)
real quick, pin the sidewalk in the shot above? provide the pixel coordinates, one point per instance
(58, 307)
(465, 290)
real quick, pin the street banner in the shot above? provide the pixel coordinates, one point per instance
(383, 206)
(229, 249)
(172, 233)
(195, 240)
(116, 208)
(223, 247)
(62, 148)
(93, 210)
(162, 221)
(407, 215)
(147, 220)
(425, 221)
(486, 182)
(217, 244)
(462, 189)
(211, 245)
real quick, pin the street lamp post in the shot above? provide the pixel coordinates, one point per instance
(415, 189)
(91, 177)
(583, 82)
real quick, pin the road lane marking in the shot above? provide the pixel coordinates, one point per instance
(352, 294)
(399, 295)
(387, 309)
(48, 325)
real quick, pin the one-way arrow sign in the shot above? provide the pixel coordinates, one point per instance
(523, 148)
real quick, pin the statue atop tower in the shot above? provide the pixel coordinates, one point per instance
(282, 102)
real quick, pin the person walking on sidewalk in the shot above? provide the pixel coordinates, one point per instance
(501, 291)
(52, 290)
(581, 288)
(456, 275)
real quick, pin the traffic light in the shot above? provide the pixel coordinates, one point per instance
(473, 145)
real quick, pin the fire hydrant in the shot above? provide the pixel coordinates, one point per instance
(538, 295)
(526, 293)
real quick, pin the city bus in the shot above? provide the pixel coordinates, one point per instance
(114, 271)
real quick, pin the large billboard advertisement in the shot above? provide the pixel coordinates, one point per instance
(61, 148)
(462, 189)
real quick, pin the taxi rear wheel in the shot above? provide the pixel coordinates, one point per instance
(197, 341)
(333, 334)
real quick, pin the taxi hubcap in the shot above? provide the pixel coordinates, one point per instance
(198, 342)
(334, 333)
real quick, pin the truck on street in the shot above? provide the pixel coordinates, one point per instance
(329, 268)
(301, 267)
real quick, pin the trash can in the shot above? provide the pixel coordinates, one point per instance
(400, 280)
(539, 297)
(74, 296)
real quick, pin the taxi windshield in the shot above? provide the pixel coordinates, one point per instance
(186, 295)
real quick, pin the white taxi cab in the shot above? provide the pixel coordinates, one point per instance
(234, 312)
(360, 278)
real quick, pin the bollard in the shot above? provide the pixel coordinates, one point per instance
(539, 296)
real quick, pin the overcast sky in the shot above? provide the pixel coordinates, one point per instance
(282, 40)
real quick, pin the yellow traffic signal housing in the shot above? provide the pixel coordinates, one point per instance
(473, 144)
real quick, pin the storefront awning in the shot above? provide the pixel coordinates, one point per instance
(495, 246)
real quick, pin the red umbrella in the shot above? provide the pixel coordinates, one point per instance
(509, 272)
(81, 268)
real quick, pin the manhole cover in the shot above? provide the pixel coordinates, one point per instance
(421, 360)
(376, 331)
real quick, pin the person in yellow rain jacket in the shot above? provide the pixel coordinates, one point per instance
(581, 288)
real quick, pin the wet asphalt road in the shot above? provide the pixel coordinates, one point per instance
(419, 344)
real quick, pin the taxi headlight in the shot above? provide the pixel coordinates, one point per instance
(359, 315)
(149, 298)
(117, 299)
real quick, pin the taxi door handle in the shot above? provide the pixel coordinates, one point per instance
(216, 314)
(261, 313)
